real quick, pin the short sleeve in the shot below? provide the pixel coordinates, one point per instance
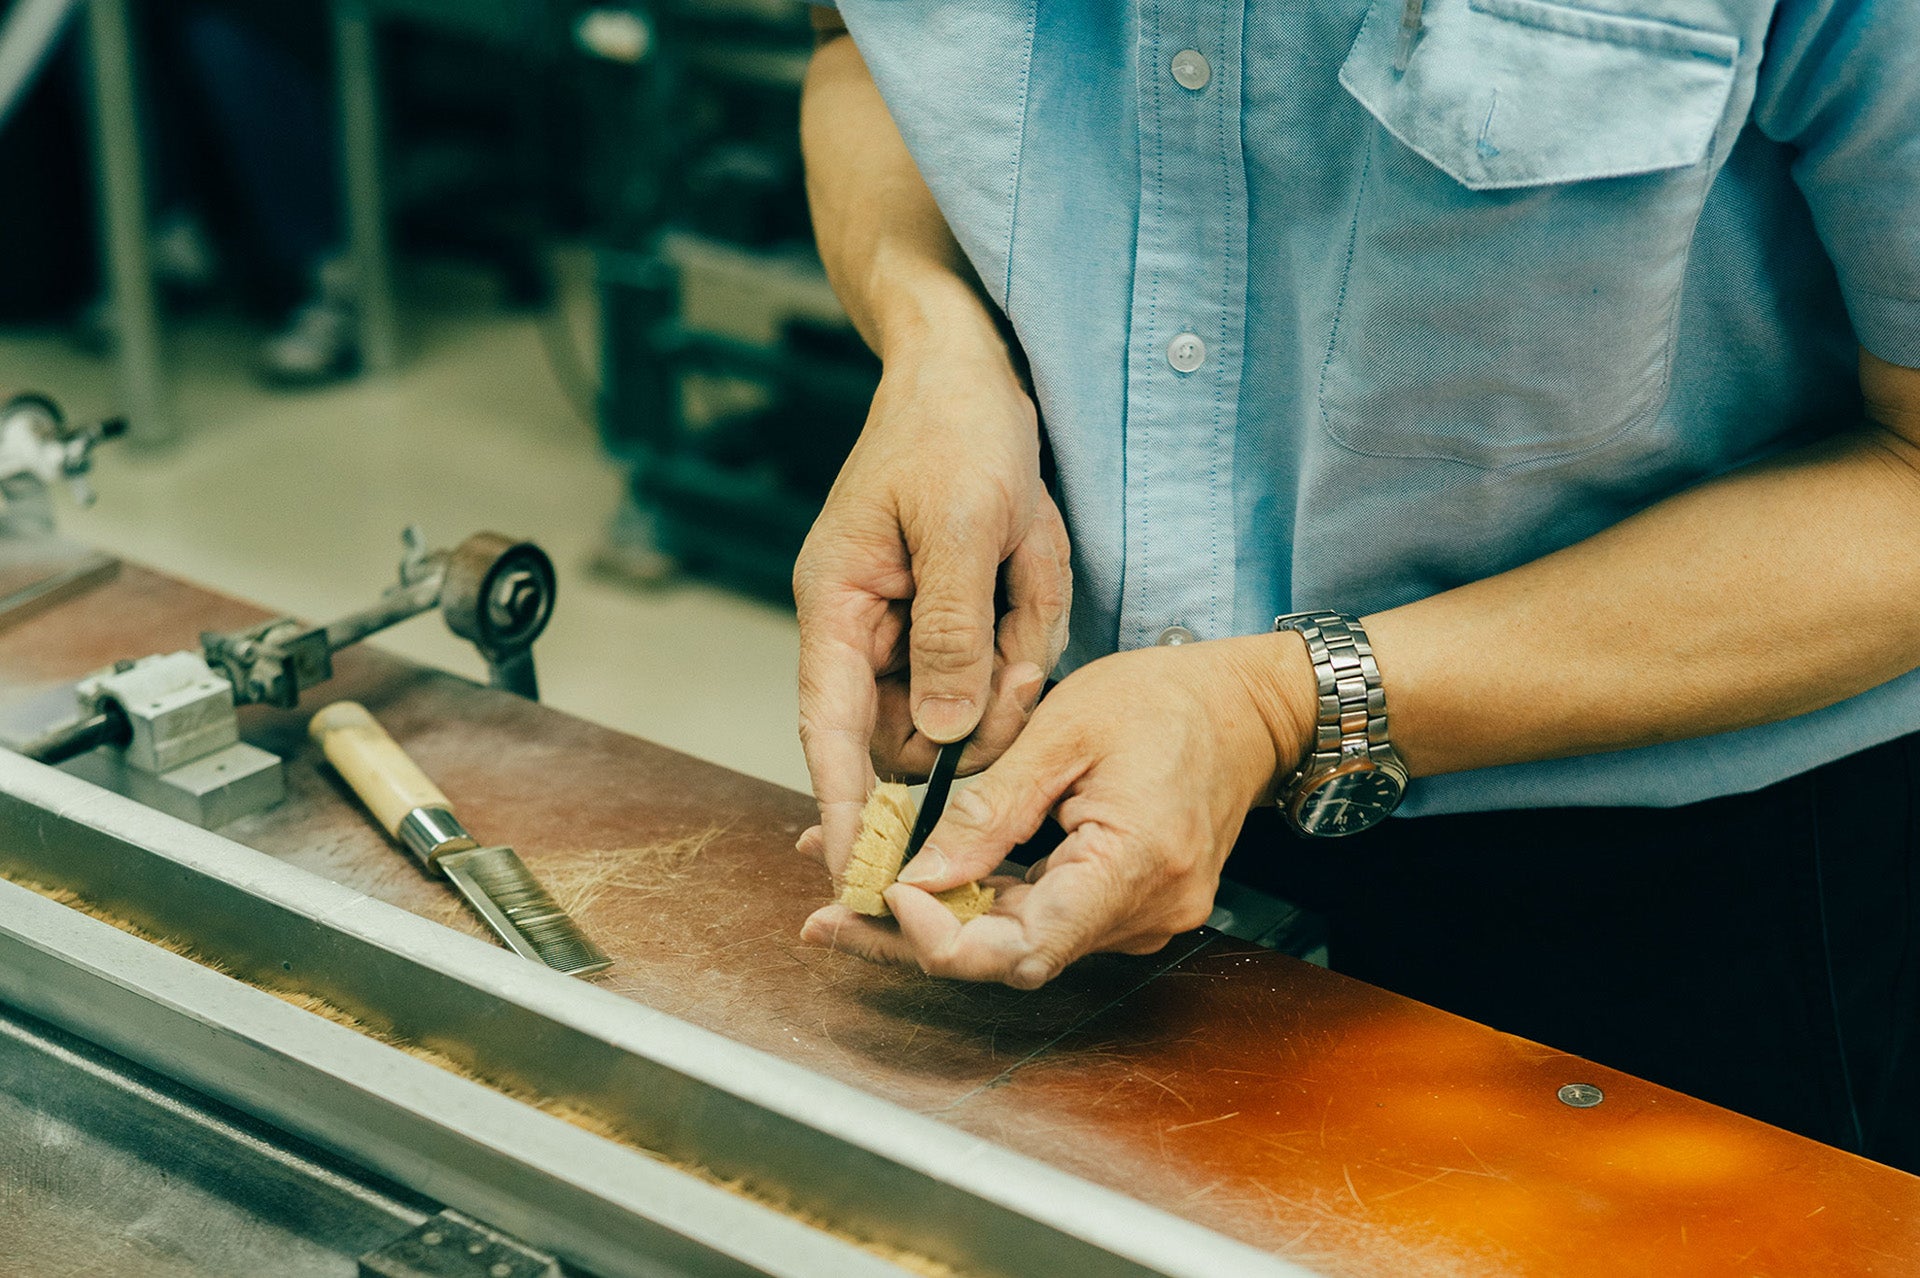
(1840, 83)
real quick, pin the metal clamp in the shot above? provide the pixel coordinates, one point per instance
(171, 718)
(495, 592)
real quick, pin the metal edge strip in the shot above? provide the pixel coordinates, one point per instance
(1123, 1227)
(263, 1055)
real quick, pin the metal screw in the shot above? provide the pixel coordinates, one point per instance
(514, 600)
(1581, 1095)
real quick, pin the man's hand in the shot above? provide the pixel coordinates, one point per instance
(940, 505)
(1150, 760)
(902, 647)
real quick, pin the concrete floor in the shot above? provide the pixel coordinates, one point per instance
(296, 501)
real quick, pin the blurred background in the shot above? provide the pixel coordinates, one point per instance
(537, 267)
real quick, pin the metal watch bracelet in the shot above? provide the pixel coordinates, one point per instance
(1351, 777)
(1352, 704)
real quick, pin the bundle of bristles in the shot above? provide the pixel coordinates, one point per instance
(886, 823)
(595, 885)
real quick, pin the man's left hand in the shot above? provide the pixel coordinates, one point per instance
(1150, 761)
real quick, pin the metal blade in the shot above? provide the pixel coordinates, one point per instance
(944, 766)
(503, 892)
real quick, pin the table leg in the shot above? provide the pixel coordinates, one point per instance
(360, 156)
(115, 107)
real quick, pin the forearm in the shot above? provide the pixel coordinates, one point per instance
(888, 251)
(1769, 592)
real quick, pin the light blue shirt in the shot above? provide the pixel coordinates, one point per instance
(1307, 331)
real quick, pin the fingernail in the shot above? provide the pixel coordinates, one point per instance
(930, 865)
(945, 718)
(1026, 687)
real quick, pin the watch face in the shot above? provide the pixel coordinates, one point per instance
(1348, 802)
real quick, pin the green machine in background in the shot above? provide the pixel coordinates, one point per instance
(733, 385)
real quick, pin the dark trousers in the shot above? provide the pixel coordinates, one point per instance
(1761, 951)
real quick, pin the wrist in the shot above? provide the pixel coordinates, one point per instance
(1277, 677)
(926, 313)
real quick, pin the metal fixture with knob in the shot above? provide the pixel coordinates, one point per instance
(38, 449)
(170, 719)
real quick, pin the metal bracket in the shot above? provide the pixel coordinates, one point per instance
(272, 663)
(179, 740)
(450, 1245)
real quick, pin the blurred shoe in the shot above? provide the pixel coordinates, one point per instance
(318, 345)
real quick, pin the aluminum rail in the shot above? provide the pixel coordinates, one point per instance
(112, 1171)
(873, 1168)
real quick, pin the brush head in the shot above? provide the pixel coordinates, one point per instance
(500, 888)
(880, 850)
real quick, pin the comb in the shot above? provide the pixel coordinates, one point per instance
(494, 881)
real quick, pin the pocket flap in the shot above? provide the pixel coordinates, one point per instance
(1505, 93)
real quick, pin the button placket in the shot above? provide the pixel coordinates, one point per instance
(1187, 323)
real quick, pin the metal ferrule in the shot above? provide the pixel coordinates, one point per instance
(429, 833)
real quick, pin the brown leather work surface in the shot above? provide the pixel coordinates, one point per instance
(1349, 1129)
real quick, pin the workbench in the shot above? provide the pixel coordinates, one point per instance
(1337, 1126)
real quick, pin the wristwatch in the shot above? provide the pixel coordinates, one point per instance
(1353, 777)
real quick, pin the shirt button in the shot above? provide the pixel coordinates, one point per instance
(1174, 636)
(1186, 352)
(1191, 70)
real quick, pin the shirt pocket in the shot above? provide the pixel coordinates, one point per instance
(1521, 229)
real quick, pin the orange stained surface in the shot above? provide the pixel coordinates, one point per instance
(1351, 1130)
(1361, 1133)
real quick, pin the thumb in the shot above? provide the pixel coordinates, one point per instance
(1002, 807)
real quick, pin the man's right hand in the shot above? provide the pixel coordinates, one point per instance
(933, 589)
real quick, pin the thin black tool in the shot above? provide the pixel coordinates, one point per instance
(108, 727)
(945, 764)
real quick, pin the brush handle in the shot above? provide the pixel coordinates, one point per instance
(372, 762)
